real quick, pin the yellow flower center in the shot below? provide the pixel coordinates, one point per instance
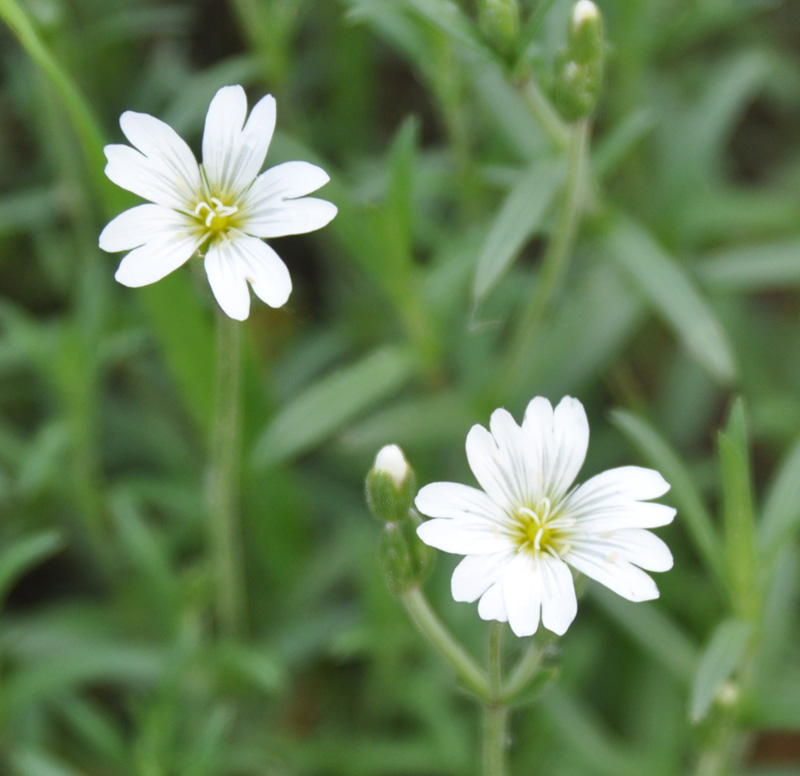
(216, 216)
(536, 531)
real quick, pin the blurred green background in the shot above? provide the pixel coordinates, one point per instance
(407, 324)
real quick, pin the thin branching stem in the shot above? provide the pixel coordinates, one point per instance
(432, 628)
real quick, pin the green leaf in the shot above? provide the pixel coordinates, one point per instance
(186, 338)
(33, 762)
(23, 554)
(780, 515)
(673, 296)
(718, 662)
(505, 110)
(738, 511)
(656, 633)
(516, 222)
(399, 194)
(692, 511)
(621, 140)
(145, 550)
(331, 403)
(448, 17)
(757, 267)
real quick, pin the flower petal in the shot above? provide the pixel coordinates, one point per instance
(285, 181)
(613, 517)
(450, 499)
(637, 546)
(262, 268)
(234, 151)
(492, 605)
(227, 280)
(523, 590)
(462, 537)
(611, 570)
(155, 260)
(513, 458)
(147, 178)
(164, 147)
(489, 467)
(476, 574)
(558, 441)
(292, 216)
(143, 224)
(559, 603)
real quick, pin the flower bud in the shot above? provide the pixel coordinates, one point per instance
(499, 22)
(391, 485)
(405, 559)
(579, 66)
(586, 32)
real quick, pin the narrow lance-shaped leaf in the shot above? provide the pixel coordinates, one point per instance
(673, 297)
(516, 222)
(758, 267)
(738, 513)
(780, 516)
(717, 664)
(692, 511)
(22, 555)
(332, 402)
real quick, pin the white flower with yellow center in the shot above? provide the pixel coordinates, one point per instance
(221, 208)
(523, 531)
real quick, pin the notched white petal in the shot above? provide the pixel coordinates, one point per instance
(492, 605)
(262, 268)
(155, 260)
(522, 591)
(227, 282)
(462, 537)
(143, 224)
(291, 216)
(476, 574)
(616, 574)
(559, 602)
(451, 499)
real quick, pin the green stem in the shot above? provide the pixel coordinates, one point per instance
(495, 712)
(554, 261)
(223, 483)
(81, 114)
(426, 620)
(551, 122)
(524, 671)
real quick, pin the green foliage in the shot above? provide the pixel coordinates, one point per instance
(674, 291)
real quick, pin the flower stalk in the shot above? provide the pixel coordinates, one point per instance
(223, 482)
(432, 628)
(555, 258)
(495, 711)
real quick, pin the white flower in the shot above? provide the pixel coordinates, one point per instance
(220, 208)
(526, 527)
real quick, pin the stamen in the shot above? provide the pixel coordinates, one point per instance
(532, 514)
(546, 502)
(537, 541)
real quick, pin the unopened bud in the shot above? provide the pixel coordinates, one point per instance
(499, 22)
(405, 559)
(579, 66)
(391, 485)
(586, 32)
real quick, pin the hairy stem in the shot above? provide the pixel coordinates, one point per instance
(223, 481)
(431, 626)
(495, 712)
